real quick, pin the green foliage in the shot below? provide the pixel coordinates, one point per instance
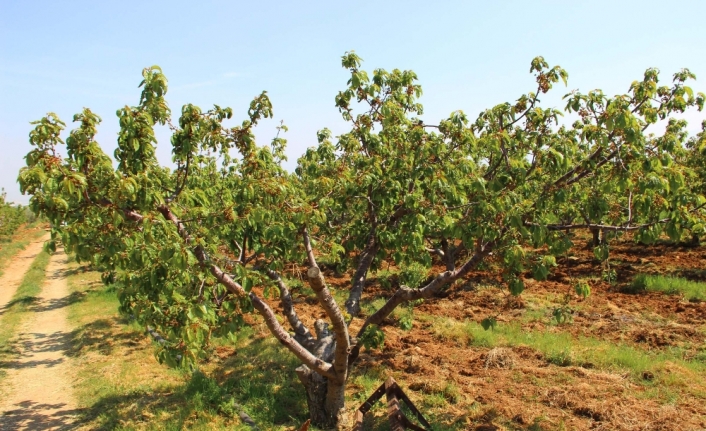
(489, 323)
(512, 184)
(638, 284)
(372, 338)
(407, 319)
(413, 274)
(11, 217)
(563, 314)
(582, 289)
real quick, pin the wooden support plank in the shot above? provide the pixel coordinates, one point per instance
(411, 406)
(370, 402)
(394, 412)
(397, 418)
(411, 425)
(358, 421)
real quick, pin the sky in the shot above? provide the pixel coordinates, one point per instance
(469, 55)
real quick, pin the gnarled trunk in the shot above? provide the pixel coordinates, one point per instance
(325, 399)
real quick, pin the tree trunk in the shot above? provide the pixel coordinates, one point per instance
(596, 237)
(695, 240)
(325, 399)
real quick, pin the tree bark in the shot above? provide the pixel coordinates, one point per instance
(325, 399)
(361, 273)
(695, 240)
(596, 237)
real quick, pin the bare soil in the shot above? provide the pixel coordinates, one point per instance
(38, 393)
(526, 390)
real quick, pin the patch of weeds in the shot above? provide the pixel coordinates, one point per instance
(387, 278)
(434, 400)
(563, 349)
(560, 358)
(367, 380)
(638, 285)
(369, 307)
(206, 394)
(534, 315)
(691, 290)
(536, 425)
(663, 395)
(451, 392)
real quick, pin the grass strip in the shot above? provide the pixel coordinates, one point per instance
(691, 290)
(563, 349)
(20, 305)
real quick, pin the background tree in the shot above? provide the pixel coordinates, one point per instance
(11, 216)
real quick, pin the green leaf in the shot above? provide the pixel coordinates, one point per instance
(489, 323)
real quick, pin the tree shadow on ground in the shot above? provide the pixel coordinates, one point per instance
(28, 344)
(23, 302)
(53, 304)
(263, 387)
(36, 416)
(103, 336)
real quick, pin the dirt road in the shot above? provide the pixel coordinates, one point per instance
(16, 270)
(37, 391)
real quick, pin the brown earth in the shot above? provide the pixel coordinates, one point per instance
(534, 393)
(37, 389)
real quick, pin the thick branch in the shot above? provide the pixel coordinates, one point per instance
(361, 273)
(129, 214)
(437, 251)
(133, 215)
(301, 332)
(340, 329)
(449, 255)
(321, 367)
(308, 248)
(601, 227)
(308, 359)
(405, 294)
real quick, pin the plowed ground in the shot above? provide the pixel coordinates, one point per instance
(457, 378)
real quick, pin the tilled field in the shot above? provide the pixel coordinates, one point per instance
(620, 361)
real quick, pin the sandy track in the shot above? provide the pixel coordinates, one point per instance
(16, 269)
(37, 392)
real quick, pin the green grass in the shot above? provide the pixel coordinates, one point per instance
(122, 386)
(20, 305)
(691, 290)
(563, 349)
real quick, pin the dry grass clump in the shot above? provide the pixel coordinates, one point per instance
(500, 357)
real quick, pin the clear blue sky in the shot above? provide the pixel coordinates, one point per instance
(469, 55)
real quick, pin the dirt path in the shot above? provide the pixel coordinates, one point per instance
(37, 393)
(16, 269)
